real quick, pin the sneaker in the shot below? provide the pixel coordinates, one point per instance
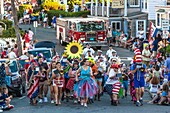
(45, 99)
(141, 102)
(85, 104)
(82, 103)
(40, 101)
(75, 102)
(138, 104)
(11, 106)
(52, 101)
(1, 110)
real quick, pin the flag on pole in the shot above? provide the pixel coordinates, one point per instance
(152, 30)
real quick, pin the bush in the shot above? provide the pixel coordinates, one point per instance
(7, 22)
(167, 50)
(52, 13)
(10, 33)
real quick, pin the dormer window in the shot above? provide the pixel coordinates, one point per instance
(134, 3)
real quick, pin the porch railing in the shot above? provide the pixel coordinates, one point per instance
(112, 12)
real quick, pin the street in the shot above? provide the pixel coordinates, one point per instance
(126, 106)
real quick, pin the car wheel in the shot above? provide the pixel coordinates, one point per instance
(20, 92)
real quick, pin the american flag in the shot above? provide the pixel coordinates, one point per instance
(34, 89)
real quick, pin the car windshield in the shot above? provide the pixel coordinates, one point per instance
(22, 63)
(13, 66)
(90, 26)
(46, 53)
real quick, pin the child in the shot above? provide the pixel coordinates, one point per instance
(2, 99)
(165, 89)
(7, 98)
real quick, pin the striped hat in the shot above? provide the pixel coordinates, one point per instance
(138, 56)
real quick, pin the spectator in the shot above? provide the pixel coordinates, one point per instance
(12, 54)
(109, 35)
(146, 56)
(54, 20)
(30, 34)
(45, 21)
(4, 53)
(155, 46)
(16, 50)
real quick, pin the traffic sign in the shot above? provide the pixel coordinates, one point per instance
(35, 24)
(165, 34)
(165, 25)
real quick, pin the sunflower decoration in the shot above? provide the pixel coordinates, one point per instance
(74, 50)
(90, 59)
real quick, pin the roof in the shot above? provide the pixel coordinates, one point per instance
(135, 14)
(45, 44)
(39, 49)
(80, 19)
(161, 10)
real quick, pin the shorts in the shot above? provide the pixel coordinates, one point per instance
(164, 94)
(114, 39)
(109, 38)
(109, 88)
(139, 84)
(99, 79)
(125, 85)
(154, 53)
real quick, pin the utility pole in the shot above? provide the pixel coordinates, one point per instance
(16, 27)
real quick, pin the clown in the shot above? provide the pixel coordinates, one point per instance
(112, 84)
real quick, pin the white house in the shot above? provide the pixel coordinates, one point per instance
(148, 6)
(124, 15)
(1, 8)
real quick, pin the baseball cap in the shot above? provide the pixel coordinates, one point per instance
(99, 51)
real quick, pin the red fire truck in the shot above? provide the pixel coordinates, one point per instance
(83, 30)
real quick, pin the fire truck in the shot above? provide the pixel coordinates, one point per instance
(83, 30)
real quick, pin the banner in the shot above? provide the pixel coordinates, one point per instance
(118, 4)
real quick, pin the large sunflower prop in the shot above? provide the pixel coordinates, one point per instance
(74, 50)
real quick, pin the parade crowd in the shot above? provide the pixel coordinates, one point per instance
(87, 78)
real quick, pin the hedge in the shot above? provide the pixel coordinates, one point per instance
(7, 22)
(10, 33)
(57, 13)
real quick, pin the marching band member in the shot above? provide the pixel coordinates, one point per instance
(100, 55)
(85, 51)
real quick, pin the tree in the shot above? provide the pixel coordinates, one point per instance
(16, 27)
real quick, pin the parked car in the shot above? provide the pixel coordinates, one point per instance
(48, 53)
(45, 44)
(17, 83)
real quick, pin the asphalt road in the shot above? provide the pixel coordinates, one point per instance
(103, 106)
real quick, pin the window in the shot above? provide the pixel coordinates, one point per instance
(134, 3)
(169, 18)
(116, 25)
(158, 19)
(140, 25)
